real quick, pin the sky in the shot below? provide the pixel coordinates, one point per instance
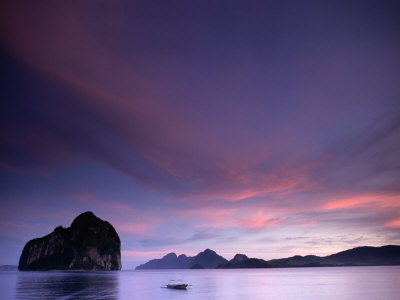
(270, 128)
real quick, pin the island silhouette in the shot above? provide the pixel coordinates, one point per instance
(209, 259)
(93, 244)
(88, 244)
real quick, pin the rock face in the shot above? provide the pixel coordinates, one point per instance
(239, 257)
(89, 244)
(208, 259)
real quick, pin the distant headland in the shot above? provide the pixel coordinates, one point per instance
(88, 244)
(209, 259)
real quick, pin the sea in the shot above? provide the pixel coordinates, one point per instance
(361, 283)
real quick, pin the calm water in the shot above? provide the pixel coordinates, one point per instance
(300, 283)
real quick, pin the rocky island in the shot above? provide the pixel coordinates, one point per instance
(88, 244)
(208, 259)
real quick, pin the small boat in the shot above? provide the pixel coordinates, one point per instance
(177, 286)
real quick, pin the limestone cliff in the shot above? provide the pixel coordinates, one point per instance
(89, 244)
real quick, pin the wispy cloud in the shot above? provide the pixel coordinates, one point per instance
(245, 139)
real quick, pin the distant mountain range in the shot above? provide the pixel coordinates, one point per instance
(209, 259)
(8, 268)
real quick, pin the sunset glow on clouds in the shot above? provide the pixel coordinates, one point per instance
(240, 128)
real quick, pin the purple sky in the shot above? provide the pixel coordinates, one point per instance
(270, 128)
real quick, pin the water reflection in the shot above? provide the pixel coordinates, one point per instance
(67, 285)
(330, 283)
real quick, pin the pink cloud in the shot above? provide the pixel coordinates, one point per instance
(260, 220)
(249, 218)
(373, 201)
(393, 223)
(127, 99)
(138, 228)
